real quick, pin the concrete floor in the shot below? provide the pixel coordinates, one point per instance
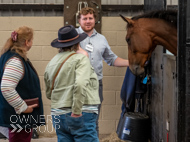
(54, 139)
(37, 140)
(103, 138)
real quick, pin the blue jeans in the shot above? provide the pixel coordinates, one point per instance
(81, 129)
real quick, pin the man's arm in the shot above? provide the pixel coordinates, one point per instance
(82, 51)
(119, 62)
(47, 84)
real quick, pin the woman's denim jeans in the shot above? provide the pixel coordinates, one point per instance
(81, 129)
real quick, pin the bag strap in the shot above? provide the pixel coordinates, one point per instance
(52, 87)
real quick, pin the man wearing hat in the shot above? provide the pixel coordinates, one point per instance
(72, 86)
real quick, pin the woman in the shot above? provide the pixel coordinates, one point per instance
(72, 86)
(19, 81)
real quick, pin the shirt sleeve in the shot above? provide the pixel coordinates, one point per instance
(108, 54)
(83, 70)
(47, 84)
(13, 73)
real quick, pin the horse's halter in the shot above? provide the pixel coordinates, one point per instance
(146, 63)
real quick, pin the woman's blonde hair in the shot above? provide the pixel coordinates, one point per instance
(18, 42)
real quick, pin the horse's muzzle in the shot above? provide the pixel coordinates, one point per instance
(136, 70)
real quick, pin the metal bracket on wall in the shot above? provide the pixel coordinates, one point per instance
(98, 11)
(80, 4)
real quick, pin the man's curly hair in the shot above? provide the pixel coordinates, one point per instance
(85, 11)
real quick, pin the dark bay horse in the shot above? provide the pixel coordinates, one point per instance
(145, 32)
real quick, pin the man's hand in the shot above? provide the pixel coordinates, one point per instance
(81, 51)
(30, 108)
(76, 115)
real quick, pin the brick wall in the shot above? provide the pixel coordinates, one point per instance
(45, 30)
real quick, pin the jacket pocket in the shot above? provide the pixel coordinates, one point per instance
(93, 79)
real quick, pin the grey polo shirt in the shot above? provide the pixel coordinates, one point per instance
(101, 50)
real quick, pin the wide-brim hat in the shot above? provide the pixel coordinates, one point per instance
(67, 36)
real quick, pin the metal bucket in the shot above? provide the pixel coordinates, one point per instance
(134, 126)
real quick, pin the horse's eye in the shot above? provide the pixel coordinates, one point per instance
(134, 51)
(128, 40)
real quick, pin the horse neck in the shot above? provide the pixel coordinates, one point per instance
(163, 34)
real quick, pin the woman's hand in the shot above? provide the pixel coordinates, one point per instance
(30, 108)
(76, 115)
(81, 51)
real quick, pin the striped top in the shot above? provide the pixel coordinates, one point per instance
(85, 108)
(13, 73)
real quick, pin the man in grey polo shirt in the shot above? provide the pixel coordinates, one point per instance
(97, 47)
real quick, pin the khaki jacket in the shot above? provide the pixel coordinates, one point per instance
(75, 85)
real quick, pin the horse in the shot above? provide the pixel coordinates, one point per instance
(145, 32)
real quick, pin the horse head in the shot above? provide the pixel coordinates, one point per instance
(140, 46)
(145, 32)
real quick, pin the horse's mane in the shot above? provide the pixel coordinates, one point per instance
(167, 15)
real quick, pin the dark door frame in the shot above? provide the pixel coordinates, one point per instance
(183, 71)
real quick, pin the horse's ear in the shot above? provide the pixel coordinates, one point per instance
(128, 20)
